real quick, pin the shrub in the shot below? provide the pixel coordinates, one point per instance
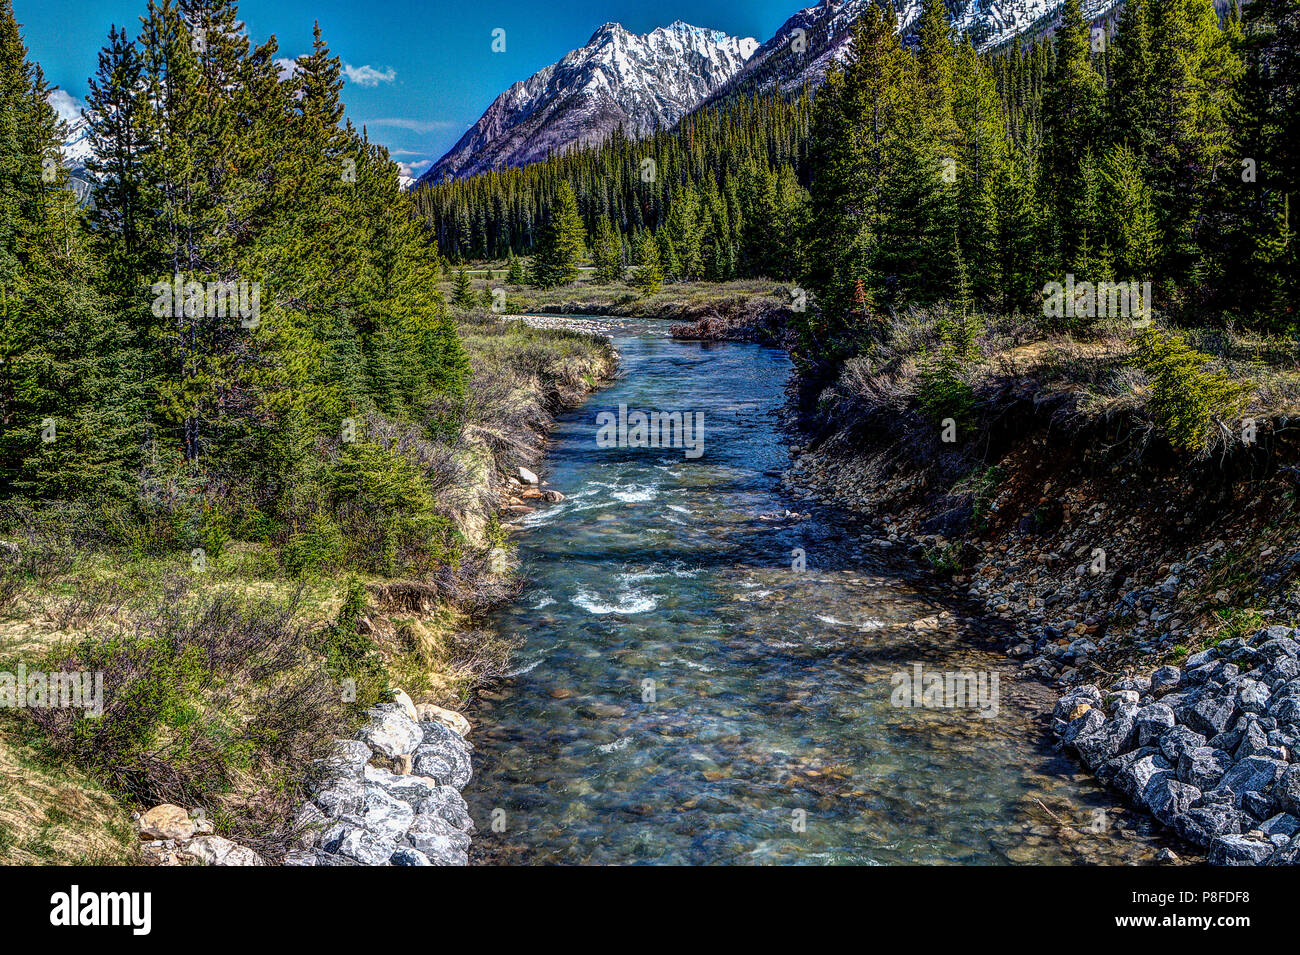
(1187, 401)
(318, 546)
(944, 390)
(215, 702)
(386, 509)
(350, 654)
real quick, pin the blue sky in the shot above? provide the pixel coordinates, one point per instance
(421, 72)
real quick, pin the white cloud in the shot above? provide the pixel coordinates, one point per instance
(368, 75)
(413, 169)
(412, 125)
(68, 107)
(287, 66)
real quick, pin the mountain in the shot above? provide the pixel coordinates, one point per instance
(76, 145)
(639, 82)
(792, 58)
(644, 82)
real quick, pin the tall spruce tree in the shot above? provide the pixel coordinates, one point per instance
(561, 243)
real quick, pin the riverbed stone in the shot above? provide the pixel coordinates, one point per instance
(386, 815)
(1283, 823)
(1165, 680)
(406, 855)
(449, 804)
(1133, 779)
(443, 755)
(345, 797)
(215, 850)
(1111, 738)
(1286, 792)
(1167, 798)
(1208, 711)
(358, 844)
(1253, 774)
(1178, 740)
(440, 841)
(347, 758)
(1252, 696)
(1284, 703)
(1085, 694)
(408, 788)
(166, 821)
(433, 713)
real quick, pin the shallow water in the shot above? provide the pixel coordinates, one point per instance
(683, 694)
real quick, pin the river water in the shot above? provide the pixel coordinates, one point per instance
(686, 693)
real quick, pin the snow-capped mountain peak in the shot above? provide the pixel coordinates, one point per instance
(638, 81)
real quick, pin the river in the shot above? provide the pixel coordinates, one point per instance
(686, 692)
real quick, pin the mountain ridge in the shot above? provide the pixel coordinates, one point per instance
(639, 82)
(523, 124)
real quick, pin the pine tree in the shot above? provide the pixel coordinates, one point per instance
(858, 115)
(1195, 73)
(1128, 101)
(607, 252)
(1013, 249)
(561, 243)
(462, 295)
(1072, 104)
(649, 275)
(69, 401)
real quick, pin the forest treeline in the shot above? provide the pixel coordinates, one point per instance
(1162, 150)
(199, 346)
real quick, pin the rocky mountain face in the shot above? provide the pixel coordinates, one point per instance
(639, 82)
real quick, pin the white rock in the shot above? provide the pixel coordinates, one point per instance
(391, 732)
(401, 699)
(527, 476)
(449, 718)
(168, 822)
(214, 850)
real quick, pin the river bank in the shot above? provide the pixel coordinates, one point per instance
(337, 638)
(1112, 557)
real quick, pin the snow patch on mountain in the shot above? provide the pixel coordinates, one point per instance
(76, 144)
(639, 82)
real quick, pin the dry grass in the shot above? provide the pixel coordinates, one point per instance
(620, 298)
(58, 817)
(1093, 370)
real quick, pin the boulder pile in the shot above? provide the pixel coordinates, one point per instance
(393, 793)
(1209, 748)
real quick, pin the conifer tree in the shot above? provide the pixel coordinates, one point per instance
(515, 272)
(607, 252)
(462, 295)
(561, 243)
(1072, 104)
(649, 275)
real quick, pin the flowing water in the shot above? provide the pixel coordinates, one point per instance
(684, 693)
